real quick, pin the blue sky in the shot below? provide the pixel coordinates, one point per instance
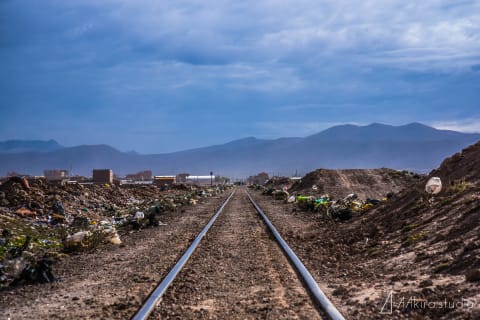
(160, 76)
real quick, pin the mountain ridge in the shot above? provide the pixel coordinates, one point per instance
(413, 146)
(20, 146)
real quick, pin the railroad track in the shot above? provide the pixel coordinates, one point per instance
(239, 269)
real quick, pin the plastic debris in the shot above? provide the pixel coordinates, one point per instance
(139, 215)
(14, 267)
(80, 222)
(304, 198)
(78, 237)
(350, 197)
(114, 237)
(434, 185)
(25, 212)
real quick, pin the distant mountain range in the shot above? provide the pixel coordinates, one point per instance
(413, 146)
(19, 146)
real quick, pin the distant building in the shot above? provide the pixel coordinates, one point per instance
(55, 175)
(78, 179)
(102, 176)
(201, 180)
(260, 178)
(182, 177)
(164, 180)
(140, 176)
(130, 182)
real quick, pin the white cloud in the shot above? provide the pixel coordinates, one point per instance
(465, 125)
(433, 34)
(172, 75)
(273, 30)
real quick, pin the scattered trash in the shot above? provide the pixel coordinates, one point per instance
(45, 220)
(280, 195)
(350, 197)
(56, 219)
(323, 200)
(342, 209)
(41, 272)
(434, 185)
(304, 198)
(113, 237)
(373, 202)
(78, 237)
(80, 222)
(25, 212)
(139, 215)
(58, 208)
(14, 267)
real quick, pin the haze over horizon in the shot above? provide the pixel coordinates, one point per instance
(57, 144)
(157, 77)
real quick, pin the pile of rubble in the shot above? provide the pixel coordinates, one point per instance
(41, 221)
(340, 193)
(326, 205)
(365, 183)
(342, 209)
(422, 243)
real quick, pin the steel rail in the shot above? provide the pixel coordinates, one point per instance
(307, 278)
(158, 292)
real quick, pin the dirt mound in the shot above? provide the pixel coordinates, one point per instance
(366, 183)
(447, 221)
(413, 246)
(278, 183)
(462, 166)
(432, 240)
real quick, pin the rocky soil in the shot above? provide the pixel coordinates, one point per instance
(111, 281)
(237, 272)
(418, 247)
(366, 183)
(41, 221)
(413, 256)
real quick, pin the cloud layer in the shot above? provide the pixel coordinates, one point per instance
(232, 66)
